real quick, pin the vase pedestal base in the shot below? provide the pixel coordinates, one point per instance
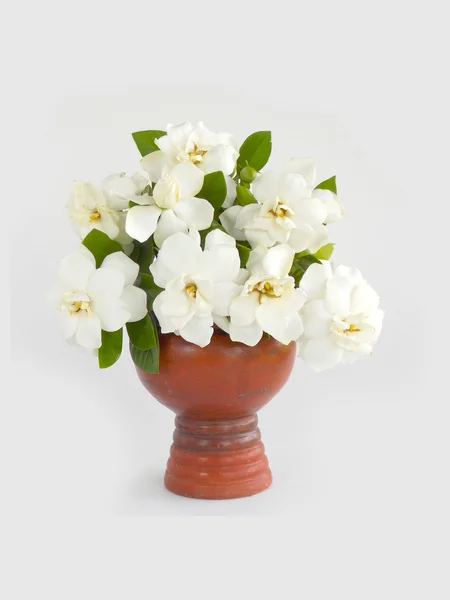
(217, 459)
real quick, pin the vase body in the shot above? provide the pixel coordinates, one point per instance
(215, 392)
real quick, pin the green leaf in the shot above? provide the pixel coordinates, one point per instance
(328, 184)
(255, 151)
(244, 196)
(145, 282)
(145, 140)
(147, 360)
(143, 254)
(301, 264)
(143, 333)
(214, 189)
(100, 245)
(111, 348)
(325, 252)
(244, 253)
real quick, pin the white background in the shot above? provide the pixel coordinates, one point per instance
(359, 507)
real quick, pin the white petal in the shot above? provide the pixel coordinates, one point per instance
(140, 182)
(308, 210)
(120, 262)
(265, 188)
(350, 273)
(180, 254)
(278, 260)
(218, 237)
(228, 219)
(112, 312)
(259, 237)
(220, 158)
(294, 300)
(155, 164)
(316, 319)
(247, 334)
(76, 269)
(318, 239)
(231, 192)
(246, 217)
(106, 282)
(119, 189)
(164, 321)
(168, 224)
(135, 300)
(363, 351)
(108, 223)
(89, 331)
(283, 327)
(222, 322)
(142, 221)
(224, 292)
(376, 320)
(292, 187)
(221, 263)
(177, 135)
(300, 237)
(333, 206)
(303, 166)
(243, 309)
(364, 299)
(313, 281)
(189, 178)
(175, 304)
(69, 324)
(195, 212)
(123, 238)
(143, 200)
(321, 354)
(338, 295)
(198, 331)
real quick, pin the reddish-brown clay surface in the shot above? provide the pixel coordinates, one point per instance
(215, 392)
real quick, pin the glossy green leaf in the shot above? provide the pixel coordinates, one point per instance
(143, 333)
(328, 184)
(300, 265)
(214, 189)
(145, 282)
(244, 196)
(111, 348)
(325, 252)
(143, 254)
(100, 245)
(147, 360)
(145, 140)
(244, 253)
(255, 151)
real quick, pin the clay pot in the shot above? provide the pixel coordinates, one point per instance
(215, 392)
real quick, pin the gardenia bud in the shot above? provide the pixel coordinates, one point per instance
(247, 174)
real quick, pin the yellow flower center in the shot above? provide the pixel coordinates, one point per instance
(77, 306)
(95, 216)
(265, 288)
(191, 290)
(352, 329)
(196, 155)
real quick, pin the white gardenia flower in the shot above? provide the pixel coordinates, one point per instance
(105, 208)
(172, 208)
(342, 318)
(198, 284)
(191, 143)
(269, 301)
(91, 299)
(289, 210)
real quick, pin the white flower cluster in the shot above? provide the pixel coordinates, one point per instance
(257, 269)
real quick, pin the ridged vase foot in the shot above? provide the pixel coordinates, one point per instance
(217, 459)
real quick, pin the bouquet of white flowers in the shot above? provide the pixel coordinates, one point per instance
(203, 241)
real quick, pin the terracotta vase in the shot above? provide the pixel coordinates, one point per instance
(215, 392)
